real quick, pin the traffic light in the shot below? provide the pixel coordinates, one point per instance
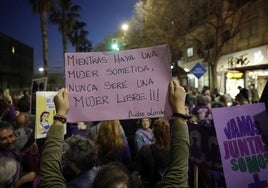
(115, 45)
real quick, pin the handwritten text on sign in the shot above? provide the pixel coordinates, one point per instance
(118, 85)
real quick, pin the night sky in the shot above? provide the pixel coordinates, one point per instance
(102, 17)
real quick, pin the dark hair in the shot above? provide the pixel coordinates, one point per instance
(217, 104)
(223, 99)
(114, 174)
(45, 112)
(5, 125)
(204, 89)
(23, 104)
(81, 151)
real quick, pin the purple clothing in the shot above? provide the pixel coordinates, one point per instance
(151, 163)
(26, 162)
(72, 129)
(84, 180)
(143, 136)
(10, 116)
(12, 112)
(123, 156)
(14, 154)
(198, 109)
(17, 156)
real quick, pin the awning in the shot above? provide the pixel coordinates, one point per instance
(246, 68)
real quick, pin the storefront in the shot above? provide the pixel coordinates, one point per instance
(243, 68)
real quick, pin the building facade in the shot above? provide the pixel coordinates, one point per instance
(243, 60)
(16, 64)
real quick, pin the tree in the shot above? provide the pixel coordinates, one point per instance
(221, 22)
(106, 44)
(160, 22)
(78, 37)
(42, 7)
(135, 36)
(211, 24)
(65, 15)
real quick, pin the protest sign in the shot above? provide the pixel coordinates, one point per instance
(243, 153)
(204, 148)
(118, 85)
(45, 111)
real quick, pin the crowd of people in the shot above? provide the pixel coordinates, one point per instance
(155, 154)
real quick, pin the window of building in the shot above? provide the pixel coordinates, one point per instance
(249, 29)
(190, 52)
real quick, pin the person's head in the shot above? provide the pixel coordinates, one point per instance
(44, 116)
(80, 153)
(23, 104)
(239, 87)
(22, 120)
(243, 101)
(207, 92)
(8, 172)
(204, 89)
(215, 91)
(208, 99)
(195, 91)
(110, 127)
(217, 104)
(200, 100)
(116, 175)
(144, 123)
(240, 99)
(109, 139)
(7, 137)
(25, 93)
(223, 99)
(161, 130)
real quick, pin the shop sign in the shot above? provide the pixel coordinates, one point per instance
(234, 75)
(238, 61)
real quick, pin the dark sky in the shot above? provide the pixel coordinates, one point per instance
(103, 17)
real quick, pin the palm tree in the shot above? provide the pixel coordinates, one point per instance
(42, 7)
(78, 38)
(65, 15)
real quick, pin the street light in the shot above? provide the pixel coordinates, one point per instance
(124, 27)
(41, 69)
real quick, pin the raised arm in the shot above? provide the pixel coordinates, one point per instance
(177, 172)
(51, 175)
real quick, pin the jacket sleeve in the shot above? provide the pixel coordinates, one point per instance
(177, 172)
(50, 171)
